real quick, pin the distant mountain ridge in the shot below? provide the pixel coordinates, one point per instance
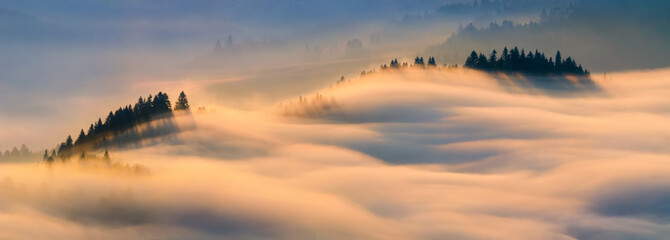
(606, 35)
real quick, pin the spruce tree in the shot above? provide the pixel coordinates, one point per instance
(161, 103)
(148, 108)
(108, 121)
(482, 63)
(471, 62)
(81, 137)
(504, 58)
(68, 141)
(182, 102)
(431, 61)
(493, 59)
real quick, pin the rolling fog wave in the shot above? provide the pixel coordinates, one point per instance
(402, 155)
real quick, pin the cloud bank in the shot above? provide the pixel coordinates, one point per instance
(416, 154)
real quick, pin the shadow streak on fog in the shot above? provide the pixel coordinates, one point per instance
(414, 121)
(405, 155)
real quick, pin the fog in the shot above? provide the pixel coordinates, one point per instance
(415, 154)
(286, 139)
(95, 56)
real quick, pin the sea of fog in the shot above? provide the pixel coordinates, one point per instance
(414, 154)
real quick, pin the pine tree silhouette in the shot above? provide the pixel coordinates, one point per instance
(517, 61)
(68, 141)
(431, 61)
(493, 59)
(81, 137)
(120, 120)
(182, 102)
(471, 62)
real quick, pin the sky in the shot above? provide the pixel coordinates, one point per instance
(286, 139)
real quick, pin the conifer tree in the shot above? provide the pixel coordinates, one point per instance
(81, 137)
(148, 107)
(182, 102)
(91, 130)
(394, 63)
(471, 62)
(482, 63)
(431, 61)
(68, 141)
(98, 126)
(493, 58)
(504, 58)
(418, 61)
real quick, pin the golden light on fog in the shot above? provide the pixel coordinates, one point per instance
(513, 165)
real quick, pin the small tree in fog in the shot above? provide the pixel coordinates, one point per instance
(182, 102)
(431, 61)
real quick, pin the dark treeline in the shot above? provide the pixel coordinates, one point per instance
(518, 61)
(513, 60)
(145, 110)
(418, 62)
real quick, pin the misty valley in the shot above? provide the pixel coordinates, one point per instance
(374, 119)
